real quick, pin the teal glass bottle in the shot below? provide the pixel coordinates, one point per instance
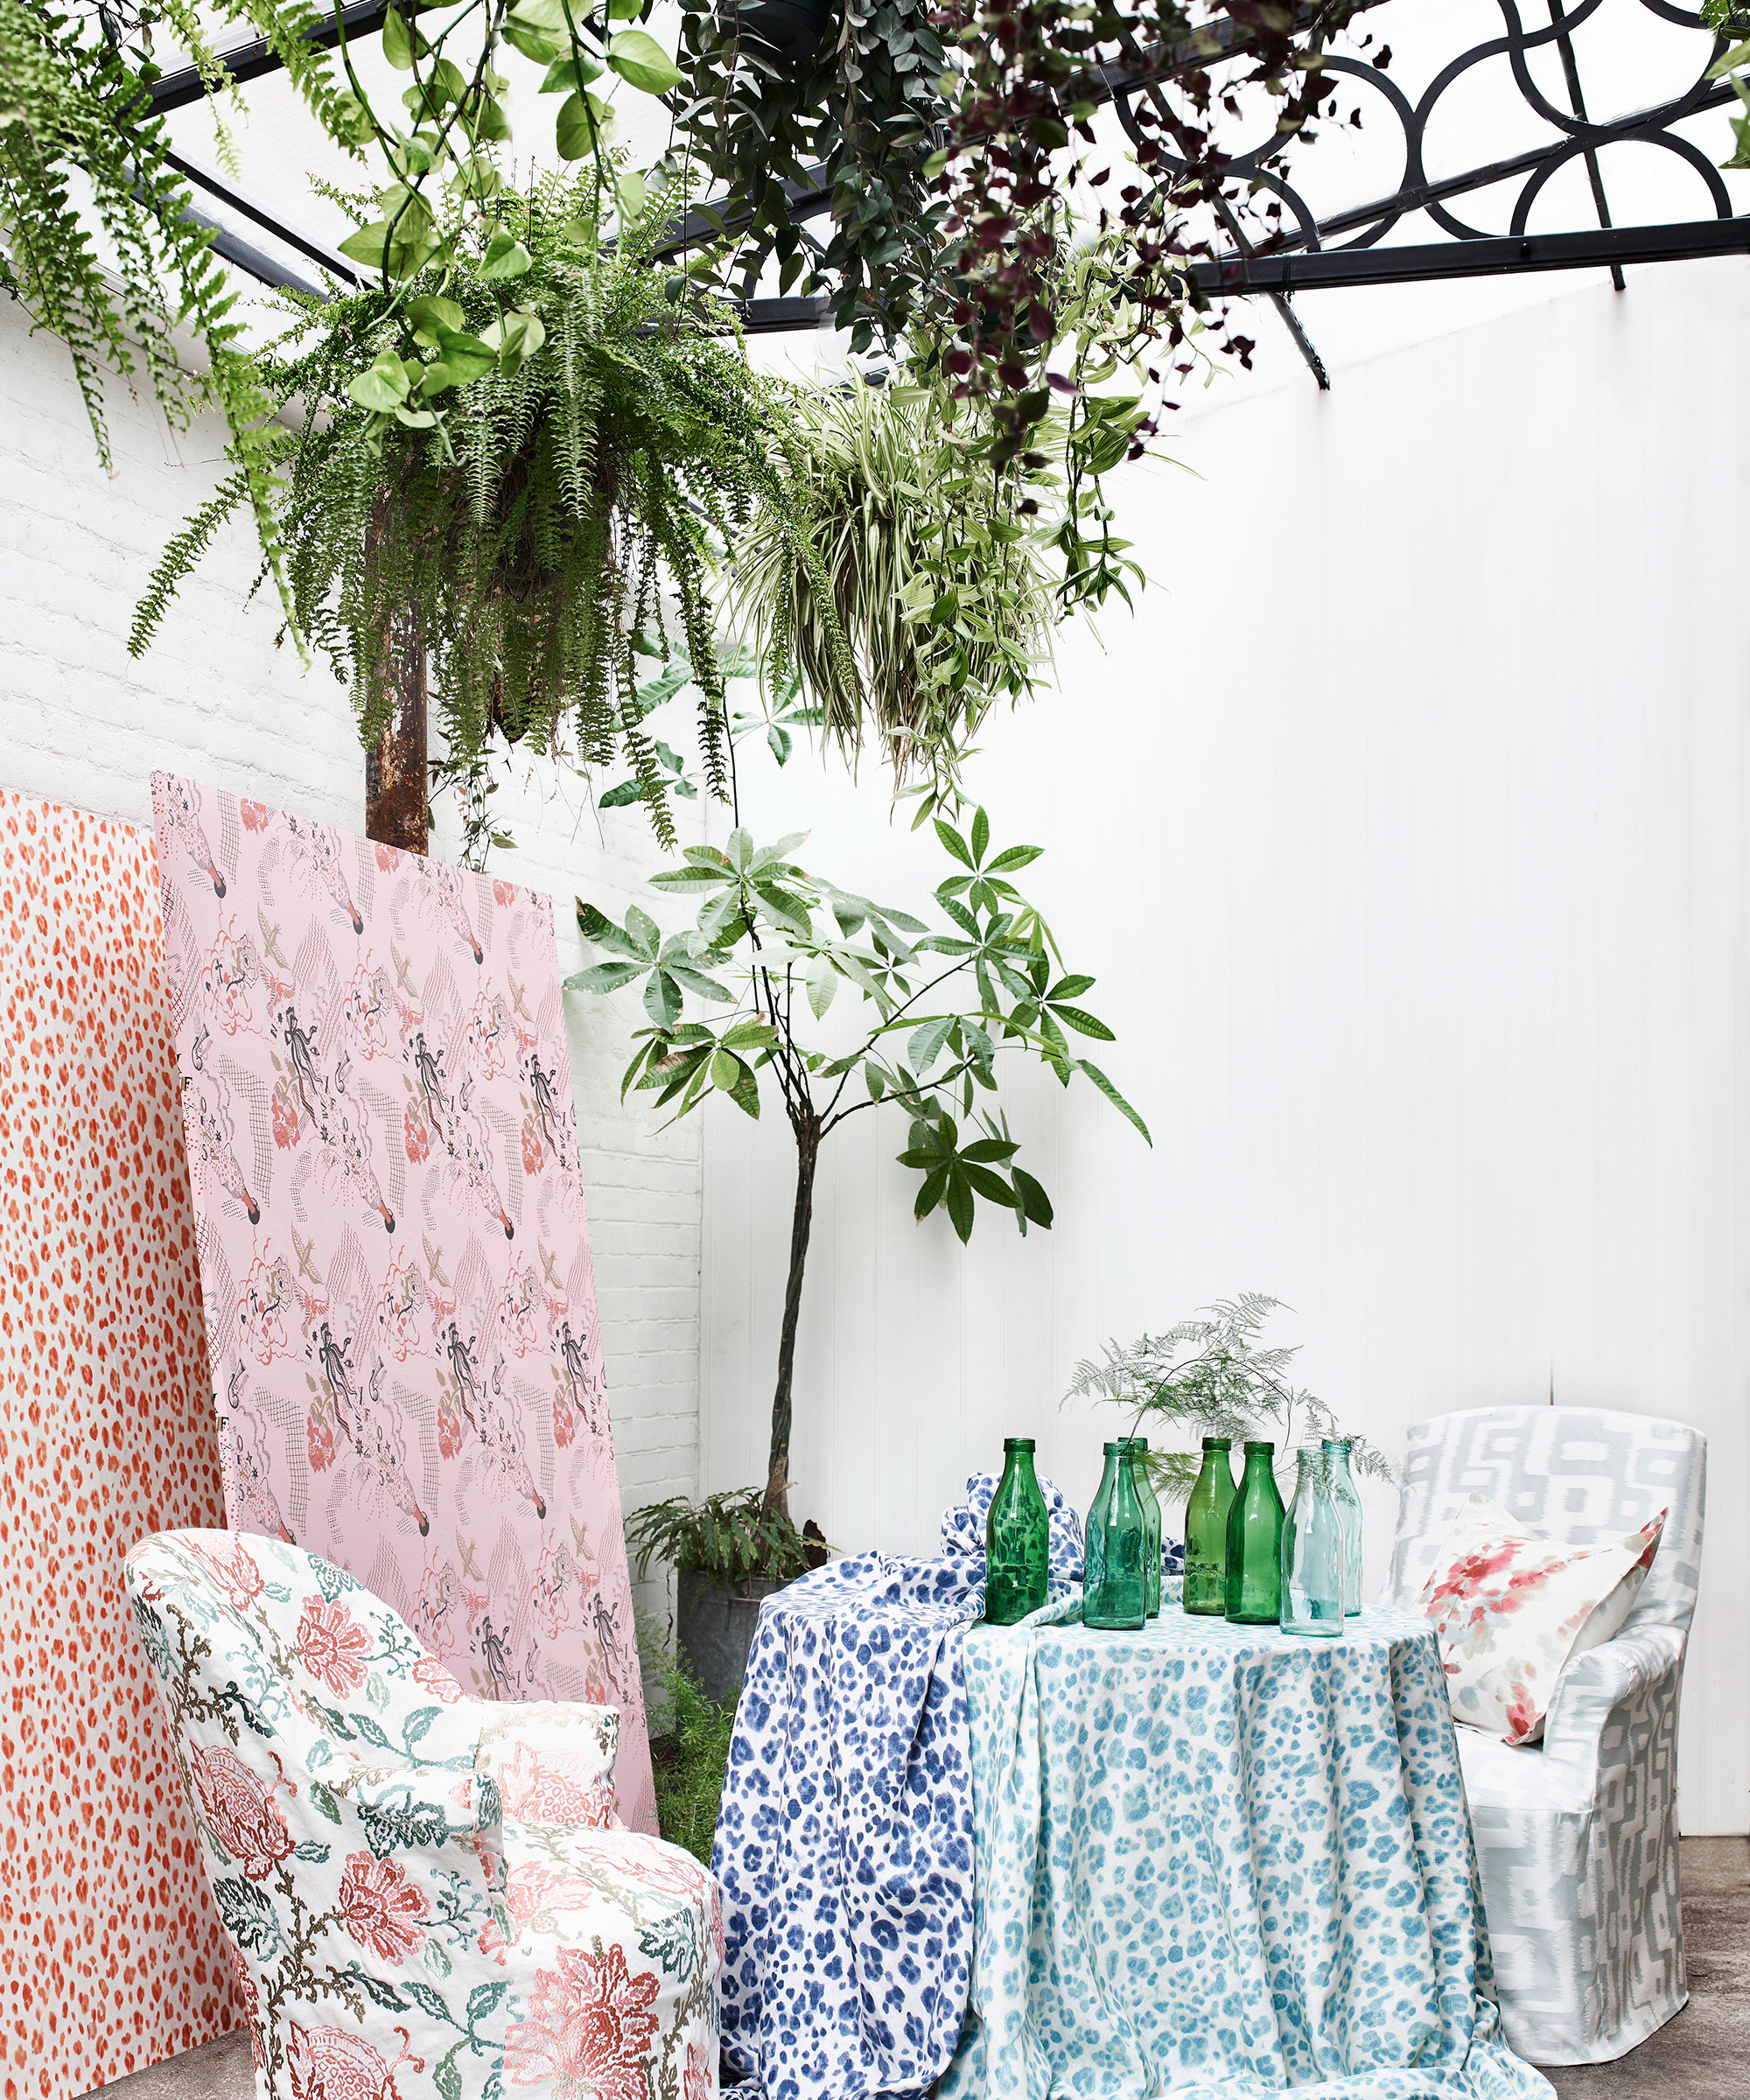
(1151, 1502)
(1254, 1577)
(1205, 1531)
(1313, 1554)
(1114, 1596)
(1341, 1481)
(1017, 1539)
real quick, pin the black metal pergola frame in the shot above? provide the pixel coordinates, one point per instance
(1307, 254)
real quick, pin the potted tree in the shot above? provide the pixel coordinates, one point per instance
(943, 1006)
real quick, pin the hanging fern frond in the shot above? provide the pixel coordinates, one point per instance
(611, 439)
(82, 160)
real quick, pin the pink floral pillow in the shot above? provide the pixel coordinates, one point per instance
(554, 1764)
(1510, 1606)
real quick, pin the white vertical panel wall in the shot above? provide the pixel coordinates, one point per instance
(1404, 828)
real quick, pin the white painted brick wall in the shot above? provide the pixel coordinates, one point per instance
(81, 723)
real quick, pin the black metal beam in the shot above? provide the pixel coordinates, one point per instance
(249, 61)
(779, 317)
(238, 202)
(1596, 249)
(260, 267)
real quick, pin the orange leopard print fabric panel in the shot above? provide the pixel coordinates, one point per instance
(111, 1955)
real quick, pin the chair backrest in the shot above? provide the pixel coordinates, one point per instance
(1578, 1474)
(309, 1638)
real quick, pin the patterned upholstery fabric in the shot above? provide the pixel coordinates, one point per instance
(1576, 1840)
(1220, 1862)
(427, 1895)
(845, 1840)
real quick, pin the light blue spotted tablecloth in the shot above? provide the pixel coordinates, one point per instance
(1217, 1861)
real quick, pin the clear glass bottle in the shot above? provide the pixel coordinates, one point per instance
(1341, 1481)
(1254, 1577)
(1017, 1539)
(1205, 1531)
(1313, 1554)
(1115, 1596)
(1151, 1502)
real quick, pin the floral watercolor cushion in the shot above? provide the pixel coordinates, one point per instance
(554, 1764)
(1510, 1605)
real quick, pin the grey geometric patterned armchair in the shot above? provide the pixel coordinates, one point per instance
(1577, 1837)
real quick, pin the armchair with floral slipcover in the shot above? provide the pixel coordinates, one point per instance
(1576, 1836)
(428, 1894)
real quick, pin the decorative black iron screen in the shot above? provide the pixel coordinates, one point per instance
(1335, 251)
(1349, 246)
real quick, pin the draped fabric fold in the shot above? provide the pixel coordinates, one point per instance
(1217, 1859)
(844, 1844)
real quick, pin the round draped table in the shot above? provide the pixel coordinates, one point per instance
(1218, 1861)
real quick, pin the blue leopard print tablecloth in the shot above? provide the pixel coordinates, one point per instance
(1218, 1862)
(844, 1842)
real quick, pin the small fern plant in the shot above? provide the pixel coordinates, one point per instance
(1211, 1376)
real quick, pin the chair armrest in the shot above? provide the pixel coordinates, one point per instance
(551, 1761)
(404, 1805)
(1593, 1685)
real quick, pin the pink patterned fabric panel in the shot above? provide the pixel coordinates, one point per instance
(394, 1250)
(1511, 1607)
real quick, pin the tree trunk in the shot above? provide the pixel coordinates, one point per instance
(778, 1469)
(398, 779)
(397, 790)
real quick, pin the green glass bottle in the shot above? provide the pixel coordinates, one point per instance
(1017, 1539)
(1115, 1597)
(1205, 1531)
(1312, 1542)
(1151, 1502)
(1337, 1450)
(1253, 1579)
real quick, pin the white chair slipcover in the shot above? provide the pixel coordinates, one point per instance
(1577, 1837)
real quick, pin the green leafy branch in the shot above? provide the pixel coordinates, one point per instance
(776, 945)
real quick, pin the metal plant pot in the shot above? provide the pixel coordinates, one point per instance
(715, 1625)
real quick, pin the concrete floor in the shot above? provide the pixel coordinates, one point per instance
(1703, 2054)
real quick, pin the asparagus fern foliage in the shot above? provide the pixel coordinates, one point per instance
(1211, 1376)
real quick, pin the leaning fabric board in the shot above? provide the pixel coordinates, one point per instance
(111, 1955)
(395, 1255)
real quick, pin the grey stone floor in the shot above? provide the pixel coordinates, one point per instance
(1703, 2054)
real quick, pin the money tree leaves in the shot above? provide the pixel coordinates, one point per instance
(989, 989)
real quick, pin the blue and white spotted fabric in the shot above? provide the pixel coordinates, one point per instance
(1216, 1861)
(845, 1843)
